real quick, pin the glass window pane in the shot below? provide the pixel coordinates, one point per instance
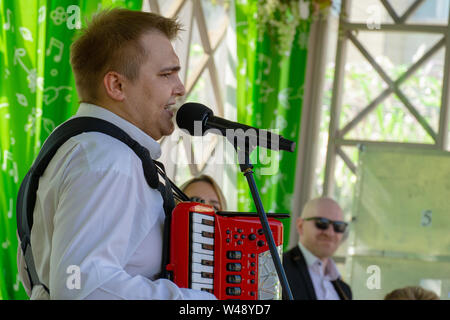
(401, 201)
(165, 5)
(368, 11)
(390, 121)
(395, 52)
(203, 92)
(400, 6)
(431, 12)
(196, 52)
(215, 14)
(181, 43)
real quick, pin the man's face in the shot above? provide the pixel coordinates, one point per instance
(322, 243)
(150, 98)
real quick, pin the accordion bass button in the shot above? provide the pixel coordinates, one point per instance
(234, 279)
(234, 266)
(234, 255)
(233, 291)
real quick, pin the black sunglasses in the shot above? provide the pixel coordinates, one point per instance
(324, 223)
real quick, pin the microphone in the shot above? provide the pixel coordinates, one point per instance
(197, 119)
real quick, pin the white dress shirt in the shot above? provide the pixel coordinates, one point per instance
(95, 211)
(321, 275)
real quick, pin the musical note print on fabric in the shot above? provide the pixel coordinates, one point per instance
(10, 166)
(34, 117)
(32, 77)
(52, 93)
(49, 125)
(10, 208)
(59, 47)
(265, 64)
(26, 34)
(7, 24)
(42, 14)
(18, 53)
(12, 140)
(6, 244)
(22, 100)
(16, 286)
(58, 16)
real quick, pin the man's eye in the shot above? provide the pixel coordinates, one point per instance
(166, 75)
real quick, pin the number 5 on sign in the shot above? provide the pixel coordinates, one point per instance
(426, 218)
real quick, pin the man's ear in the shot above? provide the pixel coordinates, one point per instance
(299, 224)
(113, 83)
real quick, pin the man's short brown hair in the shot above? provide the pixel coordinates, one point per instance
(411, 293)
(111, 42)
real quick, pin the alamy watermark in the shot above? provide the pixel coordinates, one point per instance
(70, 15)
(225, 153)
(73, 280)
(374, 280)
(374, 19)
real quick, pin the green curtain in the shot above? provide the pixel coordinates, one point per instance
(272, 39)
(37, 93)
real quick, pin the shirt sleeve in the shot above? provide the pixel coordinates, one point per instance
(98, 224)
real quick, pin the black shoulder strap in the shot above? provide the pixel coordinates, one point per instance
(27, 193)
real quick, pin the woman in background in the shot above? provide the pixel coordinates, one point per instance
(205, 190)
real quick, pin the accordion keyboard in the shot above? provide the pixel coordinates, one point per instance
(202, 256)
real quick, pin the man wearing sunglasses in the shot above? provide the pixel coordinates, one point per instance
(311, 272)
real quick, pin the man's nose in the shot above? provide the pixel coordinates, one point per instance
(329, 230)
(179, 90)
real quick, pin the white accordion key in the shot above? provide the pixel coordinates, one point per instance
(202, 228)
(202, 219)
(205, 259)
(199, 238)
(197, 267)
(202, 278)
(202, 248)
(202, 286)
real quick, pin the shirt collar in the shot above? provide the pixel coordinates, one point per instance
(312, 261)
(91, 110)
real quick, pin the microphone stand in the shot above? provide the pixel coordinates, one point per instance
(247, 169)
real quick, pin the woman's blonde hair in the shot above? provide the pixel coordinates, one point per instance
(411, 293)
(214, 185)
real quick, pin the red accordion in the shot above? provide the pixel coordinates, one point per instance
(223, 253)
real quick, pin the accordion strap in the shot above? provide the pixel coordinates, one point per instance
(26, 198)
(169, 205)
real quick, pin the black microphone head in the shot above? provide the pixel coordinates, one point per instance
(191, 112)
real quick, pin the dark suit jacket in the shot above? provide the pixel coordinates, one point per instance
(300, 282)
